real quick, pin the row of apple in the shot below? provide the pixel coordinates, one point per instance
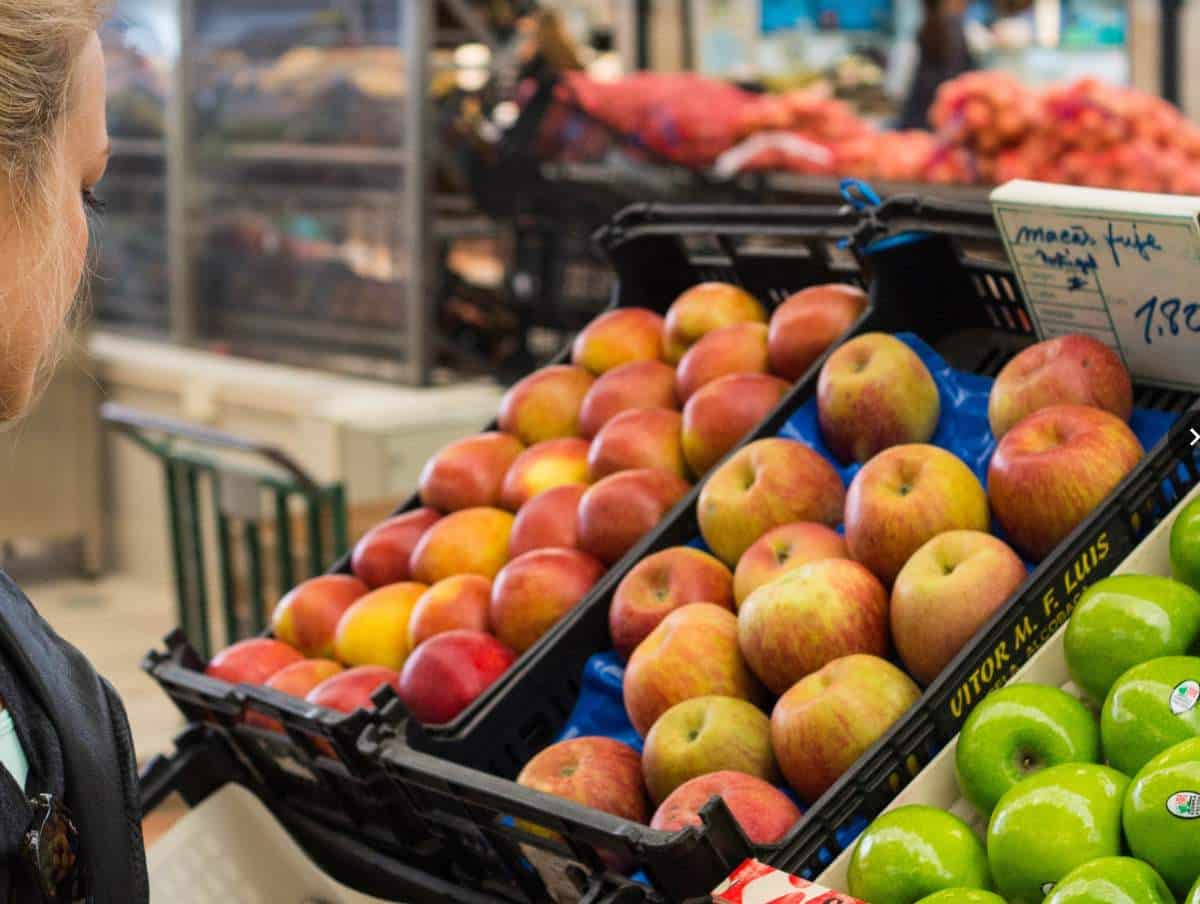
(787, 609)
(517, 525)
(1078, 807)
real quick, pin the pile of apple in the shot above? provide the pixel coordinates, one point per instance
(1069, 795)
(785, 609)
(517, 525)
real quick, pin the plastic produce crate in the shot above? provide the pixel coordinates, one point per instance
(659, 251)
(936, 270)
(937, 785)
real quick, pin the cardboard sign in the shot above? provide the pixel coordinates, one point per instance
(1121, 266)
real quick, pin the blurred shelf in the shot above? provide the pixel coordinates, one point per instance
(328, 154)
(139, 147)
(822, 189)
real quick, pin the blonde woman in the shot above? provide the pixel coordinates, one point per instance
(69, 821)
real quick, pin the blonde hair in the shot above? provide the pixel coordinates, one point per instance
(40, 42)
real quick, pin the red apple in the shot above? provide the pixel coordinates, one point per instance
(295, 680)
(658, 585)
(618, 510)
(532, 592)
(1069, 370)
(460, 601)
(548, 519)
(448, 672)
(702, 309)
(600, 773)
(904, 497)
(352, 689)
(763, 485)
(545, 405)
(737, 349)
(828, 720)
(307, 616)
(692, 653)
(251, 661)
(783, 549)
(808, 617)
(468, 473)
(1053, 468)
(945, 593)
(720, 413)
(872, 393)
(764, 813)
(381, 556)
(618, 337)
(639, 384)
(810, 321)
(543, 467)
(471, 541)
(642, 438)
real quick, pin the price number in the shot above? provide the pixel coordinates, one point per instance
(1167, 317)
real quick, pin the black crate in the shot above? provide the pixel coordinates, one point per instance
(666, 249)
(953, 286)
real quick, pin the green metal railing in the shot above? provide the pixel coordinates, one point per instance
(244, 502)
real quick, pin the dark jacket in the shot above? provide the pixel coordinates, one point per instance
(77, 740)
(954, 59)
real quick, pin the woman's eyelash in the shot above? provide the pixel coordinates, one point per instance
(92, 203)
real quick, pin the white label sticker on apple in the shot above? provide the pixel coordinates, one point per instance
(1185, 697)
(1184, 804)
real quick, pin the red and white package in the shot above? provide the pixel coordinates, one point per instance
(756, 883)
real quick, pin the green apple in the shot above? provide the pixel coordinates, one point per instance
(910, 852)
(1019, 730)
(1112, 880)
(1194, 896)
(1153, 706)
(1125, 620)
(963, 896)
(1162, 815)
(1185, 545)
(1052, 822)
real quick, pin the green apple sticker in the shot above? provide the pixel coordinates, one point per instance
(1185, 696)
(1184, 804)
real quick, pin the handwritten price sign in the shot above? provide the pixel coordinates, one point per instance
(1121, 266)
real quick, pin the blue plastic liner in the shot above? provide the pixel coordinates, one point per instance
(962, 429)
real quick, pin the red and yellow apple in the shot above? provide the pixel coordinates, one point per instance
(639, 384)
(295, 680)
(763, 485)
(658, 585)
(872, 393)
(1070, 370)
(448, 672)
(618, 337)
(616, 511)
(595, 772)
(307, 616)
(737, 349)
(807, 617)
(251, 661)
(1053, 468)
(543, 467)
(720, 413)
(808, 322)
(945, 593)
(469, 472)
(764, 813)
(826, 721)
(545, 405)
(532, 592)
(352, 689)
(904, 497)
(702, 309)
(472, 541)
(381, 557)
(783, 549)
(703, 735)
(374, 631)
(548, 519)
(642, 438)
(692, 653)
(455, 602)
